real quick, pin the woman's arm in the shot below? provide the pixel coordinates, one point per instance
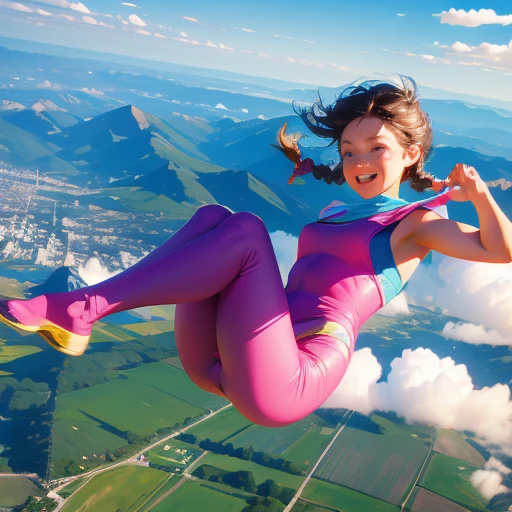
(492, 243)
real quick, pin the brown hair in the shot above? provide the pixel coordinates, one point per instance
(399, 107)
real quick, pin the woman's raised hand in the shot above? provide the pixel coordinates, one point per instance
(466, 179)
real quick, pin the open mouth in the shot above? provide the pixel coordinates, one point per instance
(365, 178)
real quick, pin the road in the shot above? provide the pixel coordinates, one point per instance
(324, 453)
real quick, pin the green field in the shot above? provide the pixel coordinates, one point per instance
(449, 442)
(142, 400)
(221, 426)
(380, 465)
(194, 496)
(9, 353)
(15, 491)
(309, 447)
(341, 498)
(276, 440)
(126, 488)
(449, 477)
(261, 473)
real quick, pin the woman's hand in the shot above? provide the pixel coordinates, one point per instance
(468, 181)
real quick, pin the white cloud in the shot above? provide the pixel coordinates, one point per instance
(497, 465)
(128, 4)
(473, 18)
(210, 44)
(89, 20)
(221, 106)
(136, 20)
(422, 387)
(93, 272)
(67, 17)
(80, 8)
(188, 41)
(480, 293)
(183, 34)
(17, 6)
(499, 55)
(188, 18)
(246, 30)
(461, 47)
(488, 483)
(224, 47)
(474, 334)
(398, 306)
(160, 36)
(400, 14)
(285, 248)
(42, 12)
(143, 32)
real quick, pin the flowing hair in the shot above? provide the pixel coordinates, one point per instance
(397, 104)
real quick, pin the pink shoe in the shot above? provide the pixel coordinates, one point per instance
(59, 338)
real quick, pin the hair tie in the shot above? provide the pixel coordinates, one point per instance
(302, 167)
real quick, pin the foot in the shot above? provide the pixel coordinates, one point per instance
(32, 316)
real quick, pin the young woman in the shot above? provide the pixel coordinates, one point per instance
(277, 353)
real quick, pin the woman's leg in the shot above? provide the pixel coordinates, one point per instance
(261, 370)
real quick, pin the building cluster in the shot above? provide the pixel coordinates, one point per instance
(44, 221)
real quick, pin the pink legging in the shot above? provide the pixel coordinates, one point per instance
(221, 271)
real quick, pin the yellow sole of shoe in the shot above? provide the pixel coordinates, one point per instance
(58, 338)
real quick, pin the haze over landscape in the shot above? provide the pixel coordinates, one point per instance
(117, 121)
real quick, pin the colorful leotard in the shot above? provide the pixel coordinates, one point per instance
(276, 353)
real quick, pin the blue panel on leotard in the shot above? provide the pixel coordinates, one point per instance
(384, 263)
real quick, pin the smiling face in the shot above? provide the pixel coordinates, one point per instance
(373, 160)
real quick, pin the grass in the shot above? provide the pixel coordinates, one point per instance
(309, 447)
(261, 473)
(170, 458)
(449, 477)
(274, 440)
(197, 496)
(15, 491)
(341, 498)
(125, 488)
(221, 426)
(9, 353)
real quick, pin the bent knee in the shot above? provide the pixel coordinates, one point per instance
(251, 223)
(213, 213)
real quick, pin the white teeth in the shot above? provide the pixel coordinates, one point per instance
(366, 177)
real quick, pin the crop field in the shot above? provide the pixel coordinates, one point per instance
(449, 442)
(427, 501)
(380, 465)
(276, 440)
(15, 491)
(341, 498)
(175, 383)
(449, 477)
(151, 327)
(309, 447)
(221, 426)
(126, 488)
(103, 332)
(82, 436)
(9, 353)
(198, 496)
(261, 473)
(150, 397)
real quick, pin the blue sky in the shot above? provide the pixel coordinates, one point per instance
(440, 43)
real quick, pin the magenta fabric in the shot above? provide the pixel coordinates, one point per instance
(238, 330)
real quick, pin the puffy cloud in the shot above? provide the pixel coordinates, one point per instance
(94, 272)
(473, 18)
(80, 8)
(480, 293)
(42, 12)
(488, 483)
(421, 387)
(474, 334)
(398, 306)
(461, 47)
(136, 20)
